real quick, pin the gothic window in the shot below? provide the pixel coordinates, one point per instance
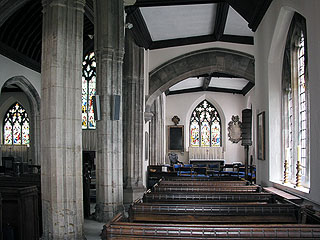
(88, 91)
(16, 126)
(296, 121)
(205, 126)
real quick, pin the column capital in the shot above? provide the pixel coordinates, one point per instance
(109, 54)
(78, 4)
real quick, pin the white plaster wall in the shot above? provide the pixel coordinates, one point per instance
(182, 105)
(9, 69)
(160, 56)
(269, 47)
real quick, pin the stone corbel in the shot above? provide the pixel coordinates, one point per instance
(129, 2)
(148, 116)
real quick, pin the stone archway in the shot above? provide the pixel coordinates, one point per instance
(198, 63)
(26, 86)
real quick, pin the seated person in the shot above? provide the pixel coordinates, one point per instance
(173, 157)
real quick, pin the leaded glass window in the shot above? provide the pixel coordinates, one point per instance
(205, 126)
(16, 126)
(296, 122)
(88, 91)
(302, 104)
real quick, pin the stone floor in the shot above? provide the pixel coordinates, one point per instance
(92, 229)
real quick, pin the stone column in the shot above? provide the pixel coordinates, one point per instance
(133, 121)
(61, 151)
(109, 50)
(157, 133)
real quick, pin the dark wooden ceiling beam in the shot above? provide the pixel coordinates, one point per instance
(244, 7)
(260, 10)
(247, 88)
(153, 3)
(237, 39)
(221, 19)
(206, 83)
(181, 41)
(139, 30)
(18, 57)
(251, 10)
(199, 89)
(218, 74)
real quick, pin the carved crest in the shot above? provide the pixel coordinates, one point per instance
(175, 120)
(234, 129)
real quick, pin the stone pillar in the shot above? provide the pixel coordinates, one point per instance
(61, 151)
(133, 120)
(157, 133)
(109, 50)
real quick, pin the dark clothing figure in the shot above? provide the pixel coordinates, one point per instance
(173, 157)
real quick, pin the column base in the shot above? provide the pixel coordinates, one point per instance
(131, 194)
(105, 213)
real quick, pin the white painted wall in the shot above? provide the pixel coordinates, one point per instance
(269, 48)
(9, 69)
(182, 105)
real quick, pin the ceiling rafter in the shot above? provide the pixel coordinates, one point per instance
(206, 83)
(199, 89)
(140, 30)
(221, 19)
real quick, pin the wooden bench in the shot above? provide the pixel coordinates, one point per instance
(119, 229)
(20, 212)
(213, 213)
(22, 181)
(208, 197)
(206, 189)
(210, 178)
(202, 183)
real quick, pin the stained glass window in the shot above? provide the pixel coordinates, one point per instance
(205, 126)
(88, 91)
(16, 126)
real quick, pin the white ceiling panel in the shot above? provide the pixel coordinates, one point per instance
(187, 84)
(230, 83)
(236, 24)
(181, 21)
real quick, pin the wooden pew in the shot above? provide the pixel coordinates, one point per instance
(213, 213)
(202, 183)
(206, 189)
(195, 179)
(208, 197)
(25, 180)
(20, 212)
(118, 228)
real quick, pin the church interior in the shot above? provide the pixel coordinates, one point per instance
(159, 119)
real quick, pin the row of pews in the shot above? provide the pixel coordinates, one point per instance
(190, 208)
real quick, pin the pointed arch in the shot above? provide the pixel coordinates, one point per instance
(205, 61)
(34, 115)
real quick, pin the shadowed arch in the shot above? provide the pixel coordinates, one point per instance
(205, 61)
(26, 86)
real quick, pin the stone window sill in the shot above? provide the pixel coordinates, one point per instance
(289, 187)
